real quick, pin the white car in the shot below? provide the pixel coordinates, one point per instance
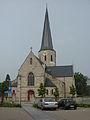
(47, 103)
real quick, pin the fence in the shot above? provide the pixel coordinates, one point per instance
(84, 100)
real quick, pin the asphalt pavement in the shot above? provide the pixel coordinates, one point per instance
(7, 113)
(38, 114)
(59, 114)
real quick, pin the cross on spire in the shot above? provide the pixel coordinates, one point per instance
(31, 48)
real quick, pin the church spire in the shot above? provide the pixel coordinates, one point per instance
(46, 38)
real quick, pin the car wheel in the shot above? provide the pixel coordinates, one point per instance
(75, 108)
(64, 108)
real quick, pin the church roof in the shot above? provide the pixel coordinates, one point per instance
(39, 60)
(49, 83)
(46, 38)
(60, 71)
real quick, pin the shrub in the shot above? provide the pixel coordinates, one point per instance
(35, 105)
(84, 105)
(5, 104)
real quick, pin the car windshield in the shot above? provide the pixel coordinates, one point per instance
(49, 100)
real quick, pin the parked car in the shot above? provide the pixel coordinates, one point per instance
(67, 104)
(47, 103)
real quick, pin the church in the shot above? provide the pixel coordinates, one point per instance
(43, 69)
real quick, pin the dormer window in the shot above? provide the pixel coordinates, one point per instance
(45, 58)
(51, 58)
(31, 61)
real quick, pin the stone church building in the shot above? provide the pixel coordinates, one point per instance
(43, 69)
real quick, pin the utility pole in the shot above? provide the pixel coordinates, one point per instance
(64, 88)
(19, 89)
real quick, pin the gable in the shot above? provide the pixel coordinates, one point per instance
(27, 65)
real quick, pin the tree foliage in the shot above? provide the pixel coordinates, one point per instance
(72, 90)
(3, 88)
(56, 93)
(80, 83)
(7, 79)
(41, 90)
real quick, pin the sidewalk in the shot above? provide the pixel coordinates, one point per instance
(13, 114)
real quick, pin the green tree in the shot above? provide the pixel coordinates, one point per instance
(80, 83)
(3, 88)
(72, 90)
(8, 79)
(41, 90)
(56, 93)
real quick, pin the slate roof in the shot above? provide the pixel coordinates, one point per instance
(39, 60)
(46, 38)
(60, 71)
(49, 83)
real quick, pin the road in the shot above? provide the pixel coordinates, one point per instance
(37, 114)
(7, 113)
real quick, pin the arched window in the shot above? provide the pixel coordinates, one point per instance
(46, 92)
(31, 61)
(31, 79)
(51, 58)
(45, 58)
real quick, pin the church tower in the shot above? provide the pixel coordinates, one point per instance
(47, 54)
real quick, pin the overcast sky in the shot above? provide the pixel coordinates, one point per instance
(21, 26)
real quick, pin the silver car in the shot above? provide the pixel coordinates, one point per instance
(47, 103)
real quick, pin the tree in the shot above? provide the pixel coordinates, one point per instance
(72, 90)
(80, 83)
(3, 88)
(41, 90)
(56, 93)
(8, 79)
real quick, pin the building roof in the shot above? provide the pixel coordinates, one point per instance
(46, 38)
(60, 71)
(39, 60)
(49, 83)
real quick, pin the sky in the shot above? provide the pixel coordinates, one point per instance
(21, 27)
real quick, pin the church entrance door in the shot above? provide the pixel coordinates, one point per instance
(31, 96)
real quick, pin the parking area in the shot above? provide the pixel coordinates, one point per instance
(59, 114)
(30, 113)
(79, 114)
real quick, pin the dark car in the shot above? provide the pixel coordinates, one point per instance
(67, 104)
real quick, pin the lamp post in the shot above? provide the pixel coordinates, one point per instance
(64, 90)
(19, 89)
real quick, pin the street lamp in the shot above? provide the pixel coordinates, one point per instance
(64, 89)
(19, 89)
